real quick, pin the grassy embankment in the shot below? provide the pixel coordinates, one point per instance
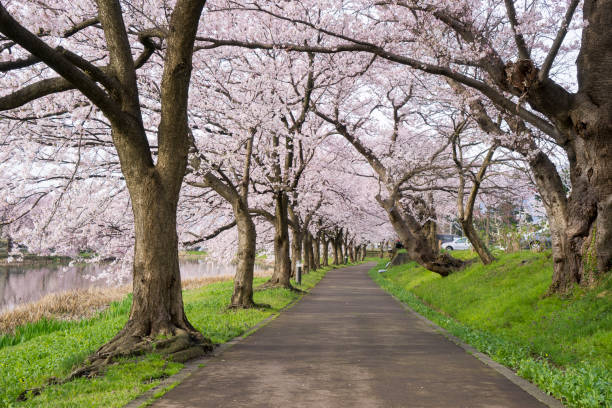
(51, 348)
(562, 344)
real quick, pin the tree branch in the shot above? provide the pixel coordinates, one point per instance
(554, 49)
(212, 235)
(58, 62)
(518, 37)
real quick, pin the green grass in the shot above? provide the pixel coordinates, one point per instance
(203, 253)
(563, 344)
(51, 349)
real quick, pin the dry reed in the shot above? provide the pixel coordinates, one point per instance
(84, 303)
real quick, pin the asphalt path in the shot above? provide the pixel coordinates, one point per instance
(346, 344)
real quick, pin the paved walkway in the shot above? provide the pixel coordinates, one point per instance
(346, 344)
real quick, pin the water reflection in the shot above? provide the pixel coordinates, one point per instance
(24, 284)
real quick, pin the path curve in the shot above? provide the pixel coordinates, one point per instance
(346, 344)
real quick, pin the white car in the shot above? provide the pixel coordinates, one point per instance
(457, 243)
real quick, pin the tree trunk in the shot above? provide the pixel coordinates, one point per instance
(325, 251)
(310, 252)
(466, 210)
(243, 281)
(9, 244)
(157, 303)
(571, 220)
(382, 249)
(296, 249)
(481, 249)
(351, 251)
(282, 262)
(305, 242)
(417, 245)
(317, 252)
(593, 146)
(335, 251)
(430, 230)
(339, 243)
(581, 224)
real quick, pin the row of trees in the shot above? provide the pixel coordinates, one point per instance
(304, 125)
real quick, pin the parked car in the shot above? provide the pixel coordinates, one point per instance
(446, 237)
(457, 243)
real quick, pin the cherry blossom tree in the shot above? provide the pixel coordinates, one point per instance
(110, 42)
(526, 78)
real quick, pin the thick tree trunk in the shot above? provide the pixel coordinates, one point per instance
(339, 248)
(296, 249)
(351, 251)
(430, 230)
(417, 245)
(335, 251)
(573, 225)
(382, 249)
(243, 281)
(9, 244)
(157, 303)
(594, 149)
(581, 224)
(317, 252)
(325, 251)
(306, 241)
(282, 262)
(311, 256)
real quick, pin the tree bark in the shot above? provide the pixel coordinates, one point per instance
(310, 252)
(567, 243)
(339, 248)
(317, 252)
(416, 244)
(306, 240)
(325, 251)
(466, 211)
(590, 221)
(242, 296)
(296, 248)
(282, 262)
(472, 235)
(238, 197)
(335, 250)
(157, 304)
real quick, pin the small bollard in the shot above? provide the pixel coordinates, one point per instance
(298, 272)
(346, 259)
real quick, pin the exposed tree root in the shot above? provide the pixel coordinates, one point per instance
(277, 285)
(444, 264)
(182, 346)
(251, 305)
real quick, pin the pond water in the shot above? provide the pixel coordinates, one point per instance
(24, 284)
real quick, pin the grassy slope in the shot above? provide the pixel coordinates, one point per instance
(52, 348)
(562, 344)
